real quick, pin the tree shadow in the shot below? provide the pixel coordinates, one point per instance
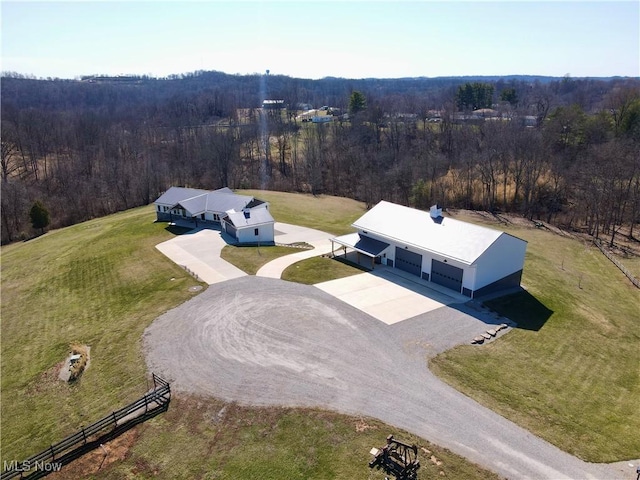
(523, 308)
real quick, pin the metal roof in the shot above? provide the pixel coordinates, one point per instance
(369, 246)
(253, 217)
(197, 201)
(444, 236)
(177, 194)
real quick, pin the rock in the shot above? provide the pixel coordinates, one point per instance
(492, 332)
(486, 336)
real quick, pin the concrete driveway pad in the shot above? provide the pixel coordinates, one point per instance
(199, 251)
(386, 300)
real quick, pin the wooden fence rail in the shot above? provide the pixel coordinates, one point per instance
(157, 398)
(616, 262)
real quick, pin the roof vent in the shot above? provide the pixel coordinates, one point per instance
(435, 211)
(247, 213)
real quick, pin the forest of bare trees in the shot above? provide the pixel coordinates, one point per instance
(563, 150)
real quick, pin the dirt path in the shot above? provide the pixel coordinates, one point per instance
(263, 341)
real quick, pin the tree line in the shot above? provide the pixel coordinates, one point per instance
(562, 150)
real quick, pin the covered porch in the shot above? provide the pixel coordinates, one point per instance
(363, 246)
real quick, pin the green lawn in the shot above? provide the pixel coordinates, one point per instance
(208, 439)
(102, 283)
(98, 283)
(329, 214)
(249, 259)
(320, 269)
(571, 374)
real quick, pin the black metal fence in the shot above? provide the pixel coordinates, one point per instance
(51, 459)
(617, 263)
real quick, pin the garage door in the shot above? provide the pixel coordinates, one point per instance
(446, 275)
(408, 261)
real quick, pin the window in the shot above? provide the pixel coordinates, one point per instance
(216, 217)
(158, 207)
(202, 216)
(255, 232)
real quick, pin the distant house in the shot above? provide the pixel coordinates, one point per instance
(235, 214)
(273, 104)
(322, 119)
(467, 258)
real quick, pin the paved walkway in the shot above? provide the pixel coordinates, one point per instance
(288, 234)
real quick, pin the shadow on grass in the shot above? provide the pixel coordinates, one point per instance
(523, 308)
(351, 264)
(98, 442)
(177, 230)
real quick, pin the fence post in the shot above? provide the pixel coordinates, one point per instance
(53, 453)
(84, 435)
(115, 420)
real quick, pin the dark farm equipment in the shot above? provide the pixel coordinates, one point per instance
(396, 458)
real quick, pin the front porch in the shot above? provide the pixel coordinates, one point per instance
(362, 249)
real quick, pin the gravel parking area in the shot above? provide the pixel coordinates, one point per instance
(263, 341)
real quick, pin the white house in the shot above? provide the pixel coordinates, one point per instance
(467, 258)
(221, 208)
(250, 225)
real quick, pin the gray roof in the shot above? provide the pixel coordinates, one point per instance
(251, 218)
(197, 201)
(361, 243)
(178, 194)
(445, 236)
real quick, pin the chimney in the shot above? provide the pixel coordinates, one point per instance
(435, 211)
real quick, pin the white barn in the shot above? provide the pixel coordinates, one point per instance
(470, 259)
(241, 216)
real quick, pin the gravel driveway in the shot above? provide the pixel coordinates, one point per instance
(264, 341)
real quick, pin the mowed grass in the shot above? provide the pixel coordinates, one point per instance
(572, 373)
(329, 214)
(249, 259)
(320, 269)
(99, 283)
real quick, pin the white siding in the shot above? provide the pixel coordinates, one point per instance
(265, 234)
(504, 257)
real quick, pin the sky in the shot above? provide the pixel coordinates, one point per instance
(316, 39)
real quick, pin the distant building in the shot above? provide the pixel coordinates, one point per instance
(273, 104)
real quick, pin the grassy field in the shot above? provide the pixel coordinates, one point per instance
(329, 214)
(320, 269)
(209, 439)
(572, 373)
(250, 259)
(101, 283)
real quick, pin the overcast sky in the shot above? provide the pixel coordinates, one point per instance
(309, 39)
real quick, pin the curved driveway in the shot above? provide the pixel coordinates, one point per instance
(288, 234)
(263, 341)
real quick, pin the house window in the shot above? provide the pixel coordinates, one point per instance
(202, 216)
(255, 232)
(216, 217)
(158, 207)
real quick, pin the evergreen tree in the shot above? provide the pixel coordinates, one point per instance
(39, 216)
(357, 102)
